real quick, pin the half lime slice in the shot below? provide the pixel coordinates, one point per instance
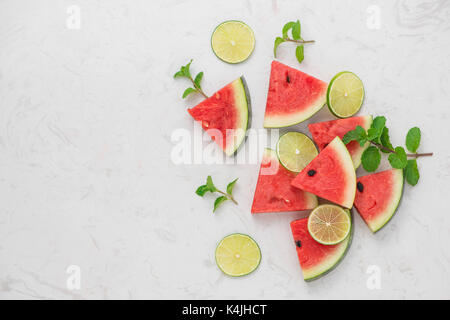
(233, 41)
(295, 151)
(329, 224)
(238, 255)
(345, 94)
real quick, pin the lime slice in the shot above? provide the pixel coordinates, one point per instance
(295, 150)
(345, 94)
(329, 224)
(237, 255)
(233, 41)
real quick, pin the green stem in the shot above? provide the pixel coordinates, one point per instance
(229, 196)
(413, 155)
(299, 41)
(199, 90)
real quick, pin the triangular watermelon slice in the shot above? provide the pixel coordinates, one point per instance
(377, 197)
(316, 259)
(274, 192)
(225, 115)
(330, 175)
(324, 132)
(293, 96)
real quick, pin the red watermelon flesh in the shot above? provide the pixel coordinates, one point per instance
(330, 175)
(225, 115)
(293, 96)
(316, 259)
(377, 197)
(274, 192)
(324, 132)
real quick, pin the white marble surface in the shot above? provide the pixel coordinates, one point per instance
(86, 178)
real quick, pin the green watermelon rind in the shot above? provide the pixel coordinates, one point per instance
(321, 273)
(300, 117)
(244, 108)
(328, 93)
(393, 206)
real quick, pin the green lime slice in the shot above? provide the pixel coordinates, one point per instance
(329, 224)
(233, 41)
(295, 151)
(345, 94)
(238, 255)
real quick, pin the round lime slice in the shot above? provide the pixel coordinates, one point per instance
(233, 41)
(295, 151)
(238, 255)
(329, 224)
(345, 94)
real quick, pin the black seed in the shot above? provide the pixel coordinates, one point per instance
(325, 145)
(288, 80)
(298, 243)
(311, 173)
(359, 186)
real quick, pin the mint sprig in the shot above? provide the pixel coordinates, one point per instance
(378, 136)
(210, 187)
(295, 28)
(185, 72)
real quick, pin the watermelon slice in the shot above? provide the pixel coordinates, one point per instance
(378, 196)
(324, 132)
(330, 175)
(225, 115)
(274, 192)
(316, 259)
(293, 96)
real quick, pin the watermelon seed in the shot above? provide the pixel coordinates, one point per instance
(360, 186)
(298, 243)
(288, 80)
(311, 173)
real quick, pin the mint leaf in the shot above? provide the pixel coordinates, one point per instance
(198, 79)
(398, 160)
(286, 28)
(188, 91)
(187, 72)
(296, 30)
(202, 190)
(413, 139)
(371, 158)
(230, 186)
(210, 184)
(299, 53)
(358, 134)
(278, 41)
(178, 74)
(411, 172)
(385, 140)
(376, 129)
(218, 201)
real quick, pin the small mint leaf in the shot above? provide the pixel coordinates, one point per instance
(230, 186)
(218, 201)
(198, 79)
(188, 91)
(371, 158)
(413, 139)
(187, 72)
(178, 74)
(202, 190)
(358, 134)
(278, 41)
(299, 53)
(398, 160)
(296, 30)
(385, 140)
(210, 184)
(286, 28)
(411, 172)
